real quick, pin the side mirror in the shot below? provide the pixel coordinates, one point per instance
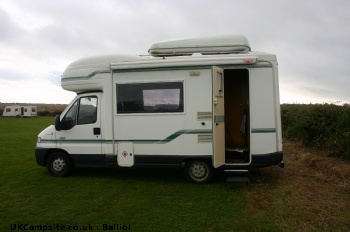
(57, 123)
(68, 124)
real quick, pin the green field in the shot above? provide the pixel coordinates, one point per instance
(148, 200)
(145, 200)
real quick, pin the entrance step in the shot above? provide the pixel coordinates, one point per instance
(244, 171)
(240, 177)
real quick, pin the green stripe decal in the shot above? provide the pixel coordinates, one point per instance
(74, 141)
(182, 132)
(137, 141)
(264, 130)
(84, 77)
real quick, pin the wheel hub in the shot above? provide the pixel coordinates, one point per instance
(199, 171)
(58, 165)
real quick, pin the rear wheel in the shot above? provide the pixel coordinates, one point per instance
(58, 164)
(198, 171)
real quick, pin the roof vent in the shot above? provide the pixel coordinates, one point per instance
(206, 45)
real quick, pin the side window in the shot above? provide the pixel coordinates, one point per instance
(8, 109)
(150, 97)
(87, 110)
(33, 109)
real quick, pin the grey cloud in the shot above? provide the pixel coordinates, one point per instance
(311, 38)
(8, 29)
(12, 75)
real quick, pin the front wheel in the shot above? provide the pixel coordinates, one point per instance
(198, 171)
(58, 164)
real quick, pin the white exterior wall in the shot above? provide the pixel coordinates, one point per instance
(158, 126)
(12, 112)
(263, 121)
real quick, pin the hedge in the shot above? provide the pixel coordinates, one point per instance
(325, 126)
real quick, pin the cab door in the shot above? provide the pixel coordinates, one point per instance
(218, 118)
(79, 131)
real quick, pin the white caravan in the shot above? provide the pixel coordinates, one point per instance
(200, 104)
(20, 111)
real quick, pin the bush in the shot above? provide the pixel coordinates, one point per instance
(324, 126)
(56, 112)
(44, 113)
(47, 113)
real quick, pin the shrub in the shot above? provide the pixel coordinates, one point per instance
(44, 113)
(56, 112)
(47, 113)
(325, 126)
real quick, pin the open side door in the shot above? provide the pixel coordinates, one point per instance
(218, 118)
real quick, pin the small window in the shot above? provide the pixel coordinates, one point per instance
(8, 109)
(16, 109)
(25, 110)
(150, 97)
(33, 109)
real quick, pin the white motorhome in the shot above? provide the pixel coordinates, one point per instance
(200, 104)
(20, 111)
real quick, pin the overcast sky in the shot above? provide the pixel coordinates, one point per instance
(39, 38)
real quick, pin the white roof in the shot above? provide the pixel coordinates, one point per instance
(103, 61)
(231, 49)
(205, 45)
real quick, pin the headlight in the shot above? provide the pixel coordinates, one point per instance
(39, 140)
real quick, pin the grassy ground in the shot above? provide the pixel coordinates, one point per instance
(311, 194)
(305, 196)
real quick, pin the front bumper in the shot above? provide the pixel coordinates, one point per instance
(40, 155)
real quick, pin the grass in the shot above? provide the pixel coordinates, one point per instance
(148, 200)
(297, 198)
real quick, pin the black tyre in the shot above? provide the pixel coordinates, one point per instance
(58, 164)
(198, 171)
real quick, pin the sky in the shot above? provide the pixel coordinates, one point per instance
(40, 38)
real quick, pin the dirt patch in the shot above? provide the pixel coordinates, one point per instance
(311, 193)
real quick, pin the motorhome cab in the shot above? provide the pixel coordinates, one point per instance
(201, 104)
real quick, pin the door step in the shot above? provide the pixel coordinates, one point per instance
(241, 177)
(236, 150)
(237, 171)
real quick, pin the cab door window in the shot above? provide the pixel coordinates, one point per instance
(83, 111)
(87, 110)
(69, 120)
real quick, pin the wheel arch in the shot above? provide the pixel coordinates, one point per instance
(53, 150)
(184, 161)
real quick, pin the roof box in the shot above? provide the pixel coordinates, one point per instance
(206, 45)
